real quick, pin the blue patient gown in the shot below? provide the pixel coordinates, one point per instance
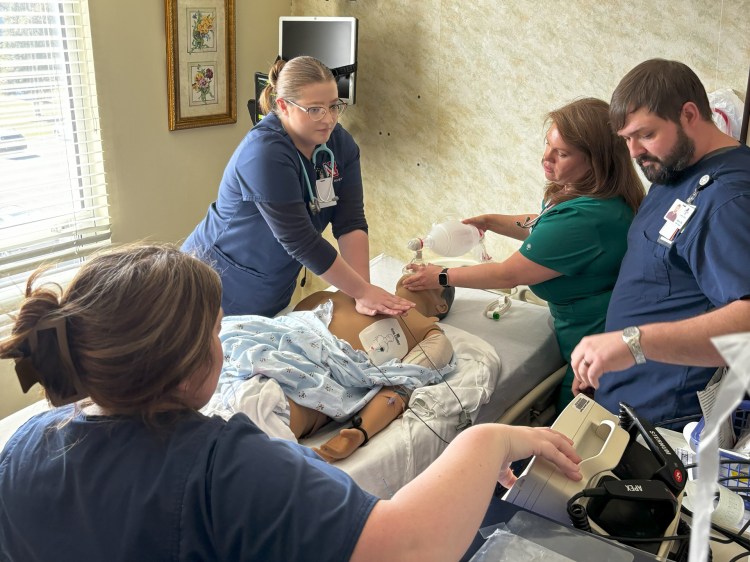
(313, 367)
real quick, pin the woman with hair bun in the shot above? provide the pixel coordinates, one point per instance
(296, 172)
(126, 468)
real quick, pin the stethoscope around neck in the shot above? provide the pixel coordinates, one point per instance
(315, 200)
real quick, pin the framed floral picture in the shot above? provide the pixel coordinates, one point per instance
(201, 74)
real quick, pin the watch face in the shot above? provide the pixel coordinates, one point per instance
(632, 337)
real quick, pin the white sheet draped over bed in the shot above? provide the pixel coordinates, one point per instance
(523, 337)
(407, 446)
(314, 368)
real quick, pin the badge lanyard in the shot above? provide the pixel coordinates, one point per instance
(680, 213)
(326, 197)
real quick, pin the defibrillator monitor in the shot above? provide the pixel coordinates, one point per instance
(331, 40)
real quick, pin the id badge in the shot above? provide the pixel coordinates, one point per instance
(675, 219)
(326, 195)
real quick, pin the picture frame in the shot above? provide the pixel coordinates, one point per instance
(201, 71)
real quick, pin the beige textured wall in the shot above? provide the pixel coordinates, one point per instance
(161, 182)
(452, 95)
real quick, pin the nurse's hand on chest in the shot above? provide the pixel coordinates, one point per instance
(379, 301)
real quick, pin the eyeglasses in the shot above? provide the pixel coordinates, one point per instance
(317, 113)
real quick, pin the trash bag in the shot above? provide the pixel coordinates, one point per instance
(726, 109)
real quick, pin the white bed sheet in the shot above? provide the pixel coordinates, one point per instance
(394, 456)
(408, 445)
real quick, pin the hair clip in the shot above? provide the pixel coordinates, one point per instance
(62, 389)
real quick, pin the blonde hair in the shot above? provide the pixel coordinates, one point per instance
(286, 80)
(137, 322)
(584, 124)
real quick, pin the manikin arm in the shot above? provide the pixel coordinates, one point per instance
(384, 407)
(433, 352)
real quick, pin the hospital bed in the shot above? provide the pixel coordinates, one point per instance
(506, 371)
(530, 362)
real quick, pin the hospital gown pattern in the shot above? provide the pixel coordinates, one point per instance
(313, 367)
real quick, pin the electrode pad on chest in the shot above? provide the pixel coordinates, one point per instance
(384, 340)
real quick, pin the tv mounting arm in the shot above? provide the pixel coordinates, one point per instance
(345, 70)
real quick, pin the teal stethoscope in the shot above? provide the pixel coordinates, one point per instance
(328, 198)
(530, 223)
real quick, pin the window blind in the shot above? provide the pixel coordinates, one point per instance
(53, 197)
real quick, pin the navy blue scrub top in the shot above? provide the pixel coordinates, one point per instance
(706, 267)
(78, 487)
(260, 231)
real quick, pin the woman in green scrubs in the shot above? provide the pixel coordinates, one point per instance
(572, 249)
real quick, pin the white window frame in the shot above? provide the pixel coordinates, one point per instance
(54, 208)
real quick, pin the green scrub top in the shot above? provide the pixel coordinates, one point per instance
(585, 240)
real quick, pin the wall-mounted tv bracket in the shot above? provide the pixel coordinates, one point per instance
(345, 70)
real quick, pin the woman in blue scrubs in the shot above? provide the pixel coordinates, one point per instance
(296, 172)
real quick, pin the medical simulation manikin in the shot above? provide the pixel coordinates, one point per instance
(415, 338)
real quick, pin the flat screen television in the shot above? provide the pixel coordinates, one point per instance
(331, 40)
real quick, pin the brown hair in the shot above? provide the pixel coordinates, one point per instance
(662, 87)
(286, 79)
(584, 124)
(138, 321)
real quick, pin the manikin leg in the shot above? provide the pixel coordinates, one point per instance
(305, 421)
(385, 407)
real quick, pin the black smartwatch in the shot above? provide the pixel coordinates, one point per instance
(443, 278)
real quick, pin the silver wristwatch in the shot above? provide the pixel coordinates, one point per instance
(632, 337)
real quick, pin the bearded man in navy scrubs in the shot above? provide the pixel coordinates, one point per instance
(685, 277)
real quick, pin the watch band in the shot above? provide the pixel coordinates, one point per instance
(443, 277)
(632, 337)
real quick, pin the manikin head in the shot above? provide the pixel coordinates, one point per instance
(430, 302)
